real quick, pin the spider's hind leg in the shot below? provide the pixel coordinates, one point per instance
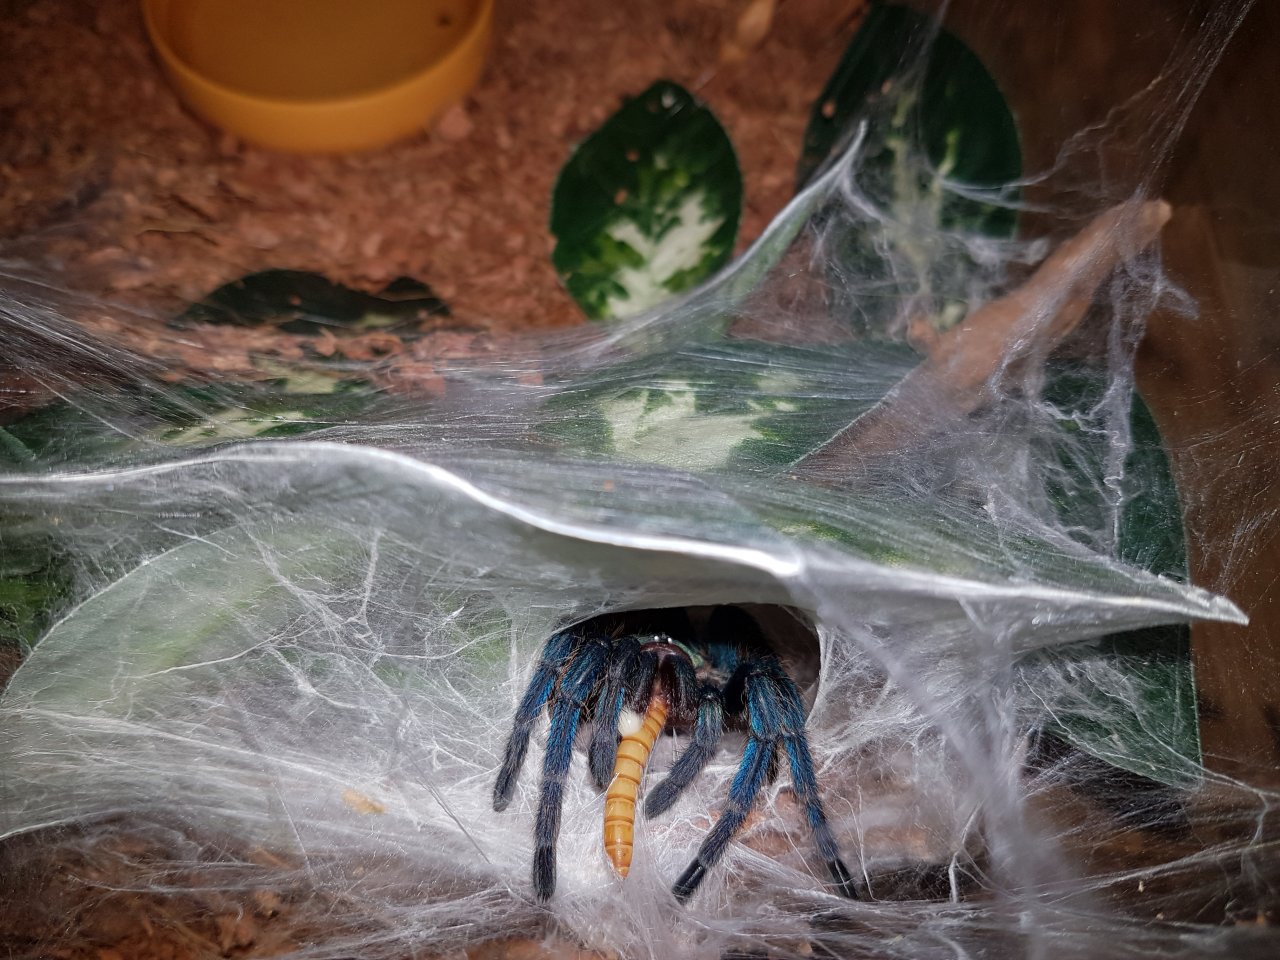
(804, 780)
(776, 719)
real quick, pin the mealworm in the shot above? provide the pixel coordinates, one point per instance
(620, 798)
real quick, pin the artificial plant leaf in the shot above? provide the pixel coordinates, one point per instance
(739, 404)
(1135, 706)
(35, 580)
(13, 450)
(938, 165)
(295, 301)
(187, 415)
(35, 577)
(647, 206)
(955, 113)
(185, 602)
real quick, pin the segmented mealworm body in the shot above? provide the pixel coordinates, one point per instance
(620, 798)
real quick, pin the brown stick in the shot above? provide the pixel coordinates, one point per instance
(954, 378)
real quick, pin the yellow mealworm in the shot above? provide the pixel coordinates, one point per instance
(620, 798)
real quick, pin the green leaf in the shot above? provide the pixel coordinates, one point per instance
(1135, 705)
(13, 450)
(188, 605)
(229, 607)
(955, 112)
(647, 206)
(741, 404)
(93, 429)
(938, 162)
(35, 581)
(295, 301)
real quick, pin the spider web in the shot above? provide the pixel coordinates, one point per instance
(306, 653)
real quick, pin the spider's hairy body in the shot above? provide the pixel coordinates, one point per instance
(690, 682)
(628, 769)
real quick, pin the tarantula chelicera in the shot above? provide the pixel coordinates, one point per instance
(655, 664)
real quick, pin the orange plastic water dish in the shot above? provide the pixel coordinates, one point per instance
(320, 76)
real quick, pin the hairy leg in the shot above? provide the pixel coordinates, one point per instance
(742, 794)
(555, 654)
(580, 678)
(708, 728)
(604, 737)
(803, 778)
(776, 718)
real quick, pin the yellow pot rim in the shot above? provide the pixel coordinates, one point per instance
(464, 49)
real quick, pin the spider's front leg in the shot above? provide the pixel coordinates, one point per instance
(555, 655)
(568, 672)
(574, 691)
(707, 730)
(752, 774)
(629, 669)
(639, 652)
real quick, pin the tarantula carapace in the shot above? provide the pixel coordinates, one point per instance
(727, 674)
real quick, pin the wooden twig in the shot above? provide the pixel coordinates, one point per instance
(965, 364)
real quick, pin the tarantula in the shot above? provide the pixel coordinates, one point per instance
(596, 669)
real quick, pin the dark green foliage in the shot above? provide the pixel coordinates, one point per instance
(647, 206)
(295, 301)
(34, 584)
(1137, 707)
(99, 429)
(938, 168)
(953, 114)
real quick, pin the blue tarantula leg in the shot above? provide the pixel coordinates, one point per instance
(638, 682)
(803, 779)
(554, 655)
(776, 714)
(579, 680)
(742, 794)
(683, 689)
(707, 731)
(604, 737)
